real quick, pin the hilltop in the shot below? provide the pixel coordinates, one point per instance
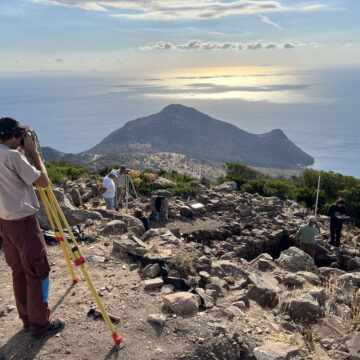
(184, 130)
(224, 282)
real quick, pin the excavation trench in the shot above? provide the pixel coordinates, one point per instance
(230, 241)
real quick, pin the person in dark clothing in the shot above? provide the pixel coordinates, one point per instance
(337, 213)
(140, 215)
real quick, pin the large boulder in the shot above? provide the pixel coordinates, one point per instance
(265, 289)
(160, 235)
(349, 283)
(76, 197)
(294, 260)
(351, 342)
(328, 272)
(182, 303)
(114, 227)
(275, 351)
(224, 268)
(128, 246)
(133, 224)
(303, 308)
(227, 186)
(162, 183)
(186, 211)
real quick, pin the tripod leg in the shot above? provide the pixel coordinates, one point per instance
(50, 212)
(79, 260)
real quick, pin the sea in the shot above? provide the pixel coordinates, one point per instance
(72, 112)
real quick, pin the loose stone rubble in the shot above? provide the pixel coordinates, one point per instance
(234, 261)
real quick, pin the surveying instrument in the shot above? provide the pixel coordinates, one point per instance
(125, 188)
(57, 221)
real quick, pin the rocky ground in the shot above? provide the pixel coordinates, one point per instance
(220, 281)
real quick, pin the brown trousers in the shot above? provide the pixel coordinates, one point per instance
(309, 249)
(25, 252)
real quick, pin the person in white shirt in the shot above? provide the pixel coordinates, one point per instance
(108, 190)
(23, 242)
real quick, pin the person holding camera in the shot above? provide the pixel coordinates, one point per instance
(306, 236)
(23, 242)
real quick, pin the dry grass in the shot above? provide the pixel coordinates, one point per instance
(150, 177)
(184, 262)
(335, 294)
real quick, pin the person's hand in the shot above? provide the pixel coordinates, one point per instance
(29, 144)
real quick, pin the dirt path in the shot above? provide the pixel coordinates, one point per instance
(85, 338)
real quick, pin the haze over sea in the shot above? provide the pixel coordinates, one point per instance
(317, 109)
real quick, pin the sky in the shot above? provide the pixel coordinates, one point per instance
(160, 36)
(259, 64)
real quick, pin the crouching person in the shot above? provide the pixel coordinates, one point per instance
(306, 236)
(23, 242)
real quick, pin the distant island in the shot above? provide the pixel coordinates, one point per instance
(183, 130)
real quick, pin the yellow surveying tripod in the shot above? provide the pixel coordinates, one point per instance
(56, 218)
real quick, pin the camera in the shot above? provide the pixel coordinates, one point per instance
(29, 132)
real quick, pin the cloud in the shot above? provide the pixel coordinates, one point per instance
(206, 45)
(314, 7)
(179, 9)
(254, 46)
(266, 20)
(163, 46)
(207, 88)
(289, 46)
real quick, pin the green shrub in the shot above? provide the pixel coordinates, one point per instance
(59, 170)
(302, 189)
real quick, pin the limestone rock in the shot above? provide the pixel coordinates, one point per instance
(76, 197)
(157, 319)
(217, 285)
(349, 283)
(153, 283)
(310, 277)
(304, 308)
(182, 303)
(265, 290)
(160, 234)
(126, 245)
(186, 211)
(294, 260)
(351, 343)
(203, 264)
(243, 210)
(114, 227)
(162, 182)
(327, 272)
(224, 268)
(319, 295)
(207, 300)
(275, 351)
(227, 186)
(293, 280)
(151, 270)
